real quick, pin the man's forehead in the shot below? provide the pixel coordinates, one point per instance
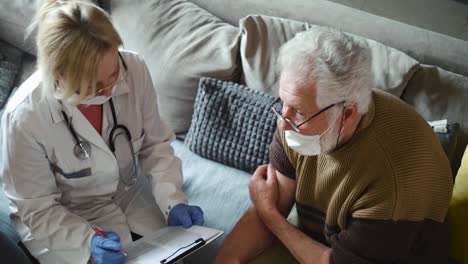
(293, 91)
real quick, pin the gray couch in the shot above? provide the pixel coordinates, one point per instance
(437, 87)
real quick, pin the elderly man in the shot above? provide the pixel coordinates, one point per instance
(369, 178)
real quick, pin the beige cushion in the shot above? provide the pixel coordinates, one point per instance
(262, 36)
(180, 42)
(15, 18)
(439, 94)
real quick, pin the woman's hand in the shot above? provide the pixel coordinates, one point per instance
(186, 215)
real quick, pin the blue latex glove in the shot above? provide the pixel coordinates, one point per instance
(186, 215)
(106, 250)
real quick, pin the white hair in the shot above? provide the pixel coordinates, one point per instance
(337, 63)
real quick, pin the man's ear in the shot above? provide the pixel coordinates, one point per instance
(350, 115)
(350, 111)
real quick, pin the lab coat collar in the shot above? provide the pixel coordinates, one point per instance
(82, 126)
(121, 89)
(56, 107)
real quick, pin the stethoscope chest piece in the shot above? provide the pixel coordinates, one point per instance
(82, 150)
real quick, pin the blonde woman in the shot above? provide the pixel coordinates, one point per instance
(84, 145)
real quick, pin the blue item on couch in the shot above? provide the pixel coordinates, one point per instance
(221, 191)
(7, 226)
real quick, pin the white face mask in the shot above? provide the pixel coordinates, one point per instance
(102, 99)
(97, 100)
(306, 145)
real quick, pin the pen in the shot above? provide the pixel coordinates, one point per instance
(100, 233)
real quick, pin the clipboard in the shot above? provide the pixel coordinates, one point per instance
(170, 244)
(173, 258)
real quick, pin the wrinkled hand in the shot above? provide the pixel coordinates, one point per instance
(106, 250)
(186, 215)
(263, 189)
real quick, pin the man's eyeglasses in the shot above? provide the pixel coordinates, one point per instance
(295, 126)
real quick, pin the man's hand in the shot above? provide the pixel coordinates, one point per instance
(269, 190)
(263, 190)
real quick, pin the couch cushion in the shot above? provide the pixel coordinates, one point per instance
(458, 213)
(438, 94)
(28, 67)
(262, 36)
(425, 46)
(10, 62)
(222, 192)
(15, 18)
(180, 42)
(7, 226)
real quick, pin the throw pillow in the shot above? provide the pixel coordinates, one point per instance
(232, 124)
(10, 63)
(458, 213)
(262, 36)
(449, 141)
(15, 18)
(180, 43)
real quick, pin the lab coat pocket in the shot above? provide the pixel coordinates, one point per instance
(85, 172)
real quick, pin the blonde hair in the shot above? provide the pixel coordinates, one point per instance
(71, 40)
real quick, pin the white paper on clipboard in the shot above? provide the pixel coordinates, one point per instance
(170, 243)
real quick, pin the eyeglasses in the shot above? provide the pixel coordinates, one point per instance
(122, 76)
(107, 87)
(295, 126)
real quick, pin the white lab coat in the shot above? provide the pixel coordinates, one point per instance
(52, 212)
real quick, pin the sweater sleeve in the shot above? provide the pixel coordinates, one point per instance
(278, 158)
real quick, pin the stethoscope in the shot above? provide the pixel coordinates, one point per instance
(82, 149)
